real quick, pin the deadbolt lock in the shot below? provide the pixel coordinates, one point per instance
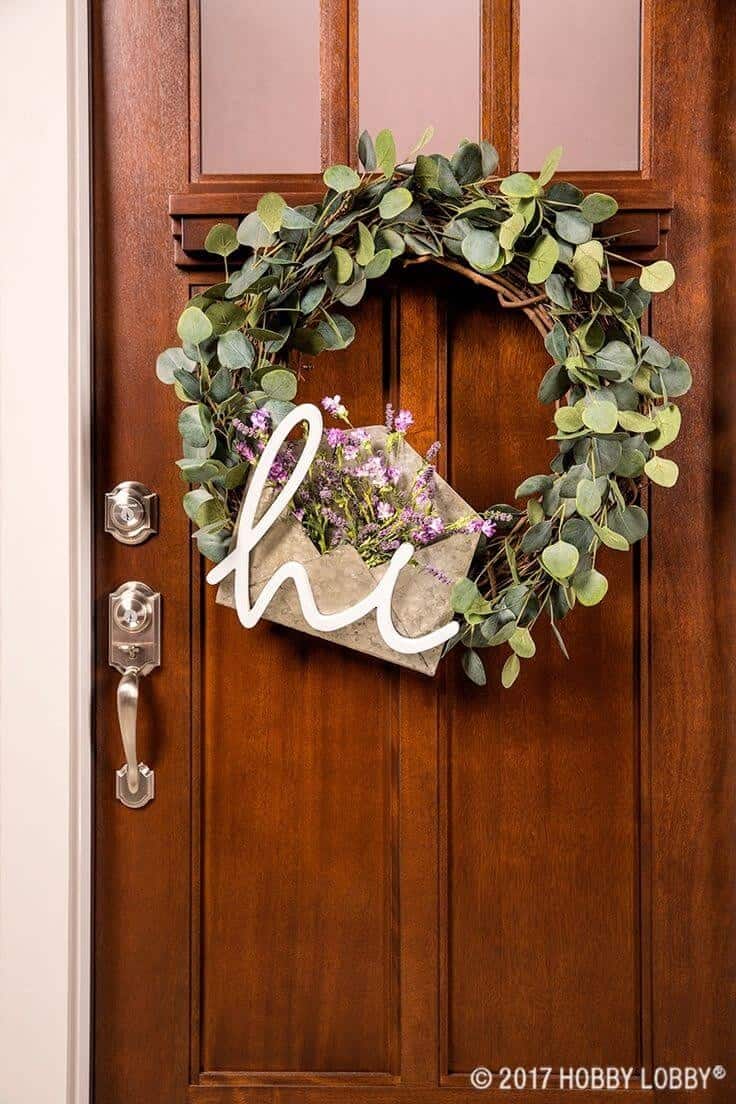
(131, 512)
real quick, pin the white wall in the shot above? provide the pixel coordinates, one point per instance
(44, 639)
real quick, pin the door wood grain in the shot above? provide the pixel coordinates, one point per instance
(355, 883)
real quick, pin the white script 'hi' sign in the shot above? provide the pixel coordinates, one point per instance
(249, 534)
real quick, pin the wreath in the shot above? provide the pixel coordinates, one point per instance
(539, 247)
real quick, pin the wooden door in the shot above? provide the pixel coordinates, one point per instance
(354, 883)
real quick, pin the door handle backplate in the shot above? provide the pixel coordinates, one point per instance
(134, 651)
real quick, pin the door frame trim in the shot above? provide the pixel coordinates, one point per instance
(45, 585)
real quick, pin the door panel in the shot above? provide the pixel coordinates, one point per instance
(356, 882)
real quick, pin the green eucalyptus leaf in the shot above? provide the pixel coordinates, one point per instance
(573, 227)
(343, 264)
(367, 152)
(615, 361)
(193, 326)
(560, 559)
(676, 379)
(473, 667)
(253, 233)
(549, 167)
(657, 277)
(221, 239)
(519, 185)
(193, 500)
(661, 471)
(543, 258)
(587, 498)
(510, 671)
(631, 522)
(568, 419)
(395, 202)
(558, 291)
(385, 152)
(534, 484)
(312, 297)
(366, 246)
(221, 385)
(292, 219)
(480, 248)
(590, 587)
(522, 643)
(234, 350)
(653, 353)
(270, 208)
(464, 593)
(510, 230)
(341, 178)
(168, 361)
(609, 537)
(536, 536)
(379, 264)
(279, 384)
(667, 420)
(597, 207)
(555, 384)
(601, 417)
(634, 422)
(556, 342)
(195, 425)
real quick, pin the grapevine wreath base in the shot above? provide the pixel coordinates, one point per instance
(540, 248)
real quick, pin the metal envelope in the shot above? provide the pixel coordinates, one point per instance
(340, 578)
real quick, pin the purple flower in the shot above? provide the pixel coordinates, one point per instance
(385, 511)
(488, 528)
(260, 419)
(336, 437)
(431, 453)
(437, 573)
(334, 406)
(389, 416)
(403, 420)
(393, 474)
(245, 451)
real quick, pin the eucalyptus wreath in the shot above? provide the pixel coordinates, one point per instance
(539, 247)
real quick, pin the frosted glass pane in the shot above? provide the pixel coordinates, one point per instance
(420, 65)
(260, 86)
(579, 82)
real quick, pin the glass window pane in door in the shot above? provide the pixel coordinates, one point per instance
(260, 94)
(419, 64)
(579, 83)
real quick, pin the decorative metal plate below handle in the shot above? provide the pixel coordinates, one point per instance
(134, 650)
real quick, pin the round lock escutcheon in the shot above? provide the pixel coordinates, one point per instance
(131, 512)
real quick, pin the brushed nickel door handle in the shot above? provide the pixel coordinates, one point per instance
(134, 651)
(128, 717)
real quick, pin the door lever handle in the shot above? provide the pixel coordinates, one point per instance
(128, 717)
(135, 650)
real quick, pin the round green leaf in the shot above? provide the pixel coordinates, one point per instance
(631, 522)
(560, 559)
(271, 207)
(366, 245)
(568, 419)
(379, 264)
(542, 259)
(573, 227)
(510, 230)
(221, 240)
(676, 379)
(510, 671)
(661, 471)
(254, 233)
(341, 178)
(534, 484)
(168, 361)
(234, 350)
(657, 277)
(386, 152)
(586, 272)
(635, 422)
(615, 361)
(522, 643)
(480, 248)
(611, 539)
(667, 420)
(597, 207)
(473, 667)
(343, 264)
(195, 425)
(394, 202)
(590, 587)
(193, 326)
(601, 417)
(587, 498)
(279, 384)
(549, 167)
(520, 185)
